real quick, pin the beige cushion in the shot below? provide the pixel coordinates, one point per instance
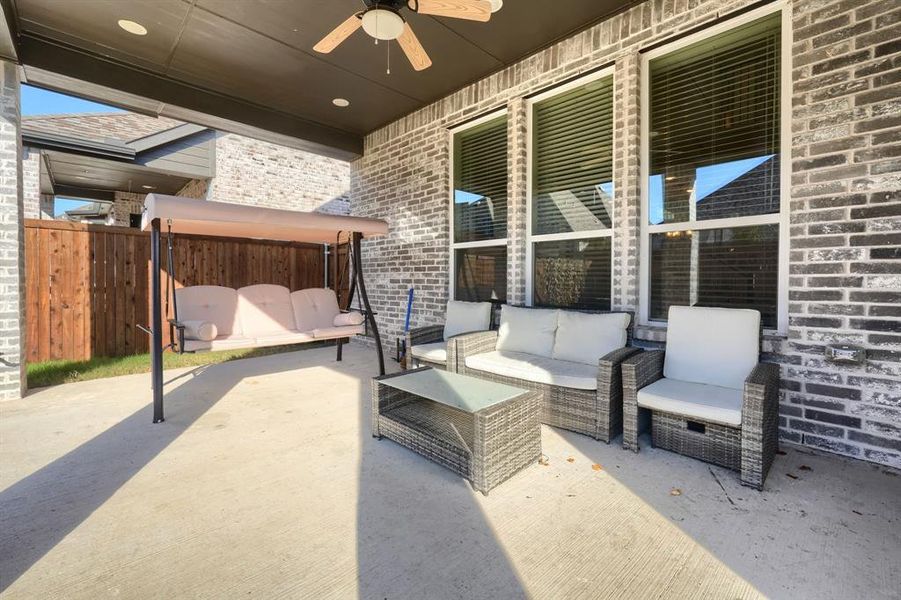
(466, 317)
(585, 338)
(234, 342)
(529, 330)
(314, 308)
(539, 369)
(349, 318)
(336, 332)
(698, 401)
(435, 352)
(282, 338)
(718, 346)
(265, 309)
(213, 303)
(204, 331)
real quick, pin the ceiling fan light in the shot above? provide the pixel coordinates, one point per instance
(383, 24)
(496, 5)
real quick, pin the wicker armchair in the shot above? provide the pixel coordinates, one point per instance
(595, 412)
(426, 346)
(748, 445)
(429, 335)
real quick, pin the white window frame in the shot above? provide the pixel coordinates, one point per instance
(454, 246)
(532, 239)
(781, 218)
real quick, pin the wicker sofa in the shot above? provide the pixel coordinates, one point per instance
(571, 357)
(707, 396)
(434, 345)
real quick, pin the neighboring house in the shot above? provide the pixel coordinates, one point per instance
(115, 159)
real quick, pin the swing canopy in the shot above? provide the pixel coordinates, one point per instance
(204, 217)
(220, 318)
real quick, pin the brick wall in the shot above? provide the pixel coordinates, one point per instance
(12, 237)
(47, 207)
(250, 171)
(31, 183)
(845, 229)
(124, 204)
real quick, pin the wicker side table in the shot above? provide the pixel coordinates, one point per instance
(484, 431)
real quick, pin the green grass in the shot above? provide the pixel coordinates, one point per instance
(54, 372)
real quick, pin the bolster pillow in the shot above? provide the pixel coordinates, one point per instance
(205, 331)
(348, 318)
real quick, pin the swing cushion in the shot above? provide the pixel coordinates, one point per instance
(265, 309)
(215, 304)
(204, 331)
(220, 343)
(314, 308)
(349, 318)
(261, 315)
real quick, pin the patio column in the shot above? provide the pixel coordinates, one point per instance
(517, 197)
(12, 238)
(627, 175)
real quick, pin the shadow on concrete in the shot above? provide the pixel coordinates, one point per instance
(37, 512)
(420, 530)
(805, 535)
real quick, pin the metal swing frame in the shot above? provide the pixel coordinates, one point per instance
(156, 324)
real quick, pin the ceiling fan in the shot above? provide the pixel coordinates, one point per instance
(383, 20)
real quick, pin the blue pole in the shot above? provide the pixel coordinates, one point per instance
(409, 309)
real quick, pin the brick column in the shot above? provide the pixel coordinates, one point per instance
(626, 175)
(517, 197)
(31, 182)
(48, 206)
(12, 238)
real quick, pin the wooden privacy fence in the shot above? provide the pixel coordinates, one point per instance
(88, 286)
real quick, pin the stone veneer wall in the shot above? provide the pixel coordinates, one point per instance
(258, 173)
(845, 230)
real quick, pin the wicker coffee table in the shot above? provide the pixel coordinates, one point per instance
(482, 430)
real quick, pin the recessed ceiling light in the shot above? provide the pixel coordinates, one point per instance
(132, 27)
(341, 102)
(148, 187)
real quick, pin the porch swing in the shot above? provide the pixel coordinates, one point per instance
(211, 317)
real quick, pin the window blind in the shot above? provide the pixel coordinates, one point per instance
(733, 267)
(573, 274)
(481, 274)
(572, 153)
(480, 182)
(714, 127)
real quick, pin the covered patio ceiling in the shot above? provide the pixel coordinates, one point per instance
(251, 63)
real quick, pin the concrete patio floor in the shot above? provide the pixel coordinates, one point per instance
(265, 481)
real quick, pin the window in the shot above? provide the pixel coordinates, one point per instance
(479, 210)
(713, 162)
(571, 204)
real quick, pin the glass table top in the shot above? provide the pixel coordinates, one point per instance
(452, 389)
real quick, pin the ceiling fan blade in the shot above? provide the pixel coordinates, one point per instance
(416, 54)
(472, 10)
(338, 34)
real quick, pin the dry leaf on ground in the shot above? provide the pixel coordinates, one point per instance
(675, 492)
(570, 459)
(596, 467)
